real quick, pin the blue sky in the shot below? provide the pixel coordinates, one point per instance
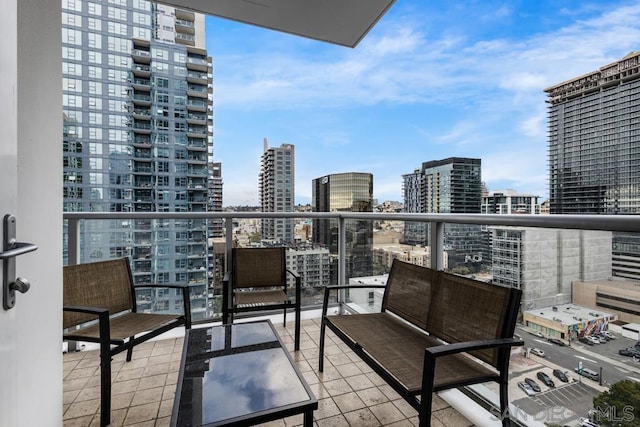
(433, 79)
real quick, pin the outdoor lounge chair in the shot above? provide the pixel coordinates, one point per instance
(104, 291)
(258, 281)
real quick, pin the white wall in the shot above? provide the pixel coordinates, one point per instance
(39, 215)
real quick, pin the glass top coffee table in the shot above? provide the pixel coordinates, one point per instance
(238, 374)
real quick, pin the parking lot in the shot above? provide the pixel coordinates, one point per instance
(565, 403)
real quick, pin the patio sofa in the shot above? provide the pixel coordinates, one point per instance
(435, 331)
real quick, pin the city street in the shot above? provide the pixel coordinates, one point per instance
(566, 402)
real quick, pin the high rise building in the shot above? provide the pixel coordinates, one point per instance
(451, 185)
(215, 197)
(138, 137)
(277, 192)
(594, 160)
(504, 202)
(543, 263)
(345, 192)
(509, 202)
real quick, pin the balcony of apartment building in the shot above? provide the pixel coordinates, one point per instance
(34, 367)
(350, 393)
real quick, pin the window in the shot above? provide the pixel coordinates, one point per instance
(94, 8)
(74, 5)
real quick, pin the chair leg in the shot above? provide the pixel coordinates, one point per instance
(504, 405)
(105, 385)
(321, 347)
(130, 350)
(284, 318)
(425, 409)
(297, 329)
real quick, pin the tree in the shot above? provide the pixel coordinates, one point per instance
(618, 406)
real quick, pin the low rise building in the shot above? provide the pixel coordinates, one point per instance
(567, 322)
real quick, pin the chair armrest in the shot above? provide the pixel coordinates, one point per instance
(298, 286)
(161, 285)
(328, 289)
(185, 297)
(463, 347)
(88, 310)
(432, 353)
(103, 323)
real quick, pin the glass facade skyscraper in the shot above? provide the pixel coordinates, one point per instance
(594, 150)
(451, 185)
(594, 130)
(138, 137)
(345, 192)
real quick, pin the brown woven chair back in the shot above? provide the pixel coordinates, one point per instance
(408, 292)
(97, 281)
(258, 267)
(479, 315)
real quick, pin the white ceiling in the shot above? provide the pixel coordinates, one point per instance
(342, 22)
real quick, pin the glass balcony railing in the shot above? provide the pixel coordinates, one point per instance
(544, 255)
(505, 249)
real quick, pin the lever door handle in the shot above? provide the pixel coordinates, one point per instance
(10, 250)
(18, 249)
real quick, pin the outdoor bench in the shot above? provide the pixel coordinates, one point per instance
(435, 331)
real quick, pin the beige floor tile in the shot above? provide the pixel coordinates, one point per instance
(362, 418)
(335, 421)
(337, 387)
(348, 402)
(359, 382)
(326, 408)
(372, 396)
(387, 413)
(141, 413)
(349, 393)
(146, 396)
(82, 409)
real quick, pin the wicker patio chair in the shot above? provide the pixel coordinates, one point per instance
(257, 282)
(104, 291)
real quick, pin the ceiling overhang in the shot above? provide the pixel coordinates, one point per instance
(342, 22)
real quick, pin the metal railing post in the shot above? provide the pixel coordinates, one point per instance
(342, 261)
(436, 245)
(73, 241)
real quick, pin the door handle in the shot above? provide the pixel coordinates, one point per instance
(10, 250)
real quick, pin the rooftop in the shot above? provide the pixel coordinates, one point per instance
(568, 314)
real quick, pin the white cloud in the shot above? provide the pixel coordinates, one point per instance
(489, 91)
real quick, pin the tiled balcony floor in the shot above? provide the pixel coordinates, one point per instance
(349, 393)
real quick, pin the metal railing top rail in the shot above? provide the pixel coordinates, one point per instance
(628, 223)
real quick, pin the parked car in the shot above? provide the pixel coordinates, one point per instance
(537, 334)
(592, 339)
(526, 388)
(546, 380)
(586, 340)
(603, 338)
(534, 385)
(631, 352)
(560, 375)
(537, 352)
(585, 372)
(586, 422)
(556, 341)
(609, 334)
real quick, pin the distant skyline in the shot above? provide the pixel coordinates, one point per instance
(431, 80)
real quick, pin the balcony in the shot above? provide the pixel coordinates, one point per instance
(349, 391)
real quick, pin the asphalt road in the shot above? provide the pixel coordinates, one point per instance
(565, 403)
